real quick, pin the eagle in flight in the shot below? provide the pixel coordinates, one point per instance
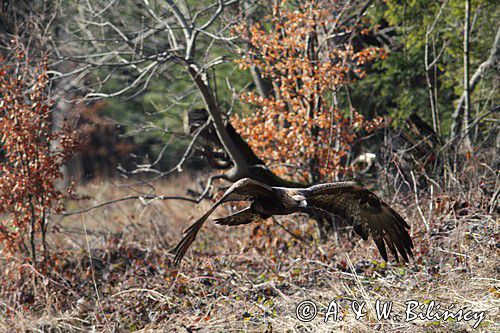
(354, 204)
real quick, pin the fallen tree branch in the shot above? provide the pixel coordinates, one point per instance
(133, 197)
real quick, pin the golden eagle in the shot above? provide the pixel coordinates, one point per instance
(354, 204)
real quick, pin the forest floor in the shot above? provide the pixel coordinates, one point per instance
(114, 270)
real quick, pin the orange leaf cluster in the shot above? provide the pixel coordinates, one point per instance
(300, 131)
(30, 163)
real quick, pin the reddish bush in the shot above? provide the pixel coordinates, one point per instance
(33, 156)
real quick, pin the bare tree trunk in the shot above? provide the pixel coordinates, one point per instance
(467, 141)
(32, 232)
(263, 87)
(314, 106)
(429, 85)
(240, 165)
(491, 62)
(433, 65)
(436, 105)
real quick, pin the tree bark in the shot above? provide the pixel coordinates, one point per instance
(433, 102)
(492, 62)
(262, 85)
(466, 116)
(240, 165)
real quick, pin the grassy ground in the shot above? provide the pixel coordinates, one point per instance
(115, 270)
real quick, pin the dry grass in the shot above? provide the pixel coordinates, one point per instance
(117, 274)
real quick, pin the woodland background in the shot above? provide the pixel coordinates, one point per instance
(122, 120)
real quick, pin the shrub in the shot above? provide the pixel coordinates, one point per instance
(33, 156)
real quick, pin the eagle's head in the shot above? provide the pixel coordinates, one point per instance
(300, 200)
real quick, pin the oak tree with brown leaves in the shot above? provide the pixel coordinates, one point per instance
(299, 129)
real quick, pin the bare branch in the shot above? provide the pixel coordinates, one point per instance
(489, 63)
(142, 198)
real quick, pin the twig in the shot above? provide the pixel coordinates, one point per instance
(153, 294)
(92, 271)
(288, 231)
(494, 200)
(187, 152)
(132, 197)
(417, 201)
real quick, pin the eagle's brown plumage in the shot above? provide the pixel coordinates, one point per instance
(356, 205)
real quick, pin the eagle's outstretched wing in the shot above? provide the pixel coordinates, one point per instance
(244, 189)
(244, 216)
(366, 212)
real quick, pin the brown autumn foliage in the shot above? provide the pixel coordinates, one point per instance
(32, 159)
(300, 131)
(102, 145)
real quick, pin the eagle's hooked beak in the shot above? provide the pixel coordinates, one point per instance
(300, 199)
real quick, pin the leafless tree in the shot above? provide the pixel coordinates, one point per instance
(466, 72)
(171, 35)
(431, 85)
(137, 41)
(460, 126)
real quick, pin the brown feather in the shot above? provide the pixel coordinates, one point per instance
(244, 216)
(368, 214)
